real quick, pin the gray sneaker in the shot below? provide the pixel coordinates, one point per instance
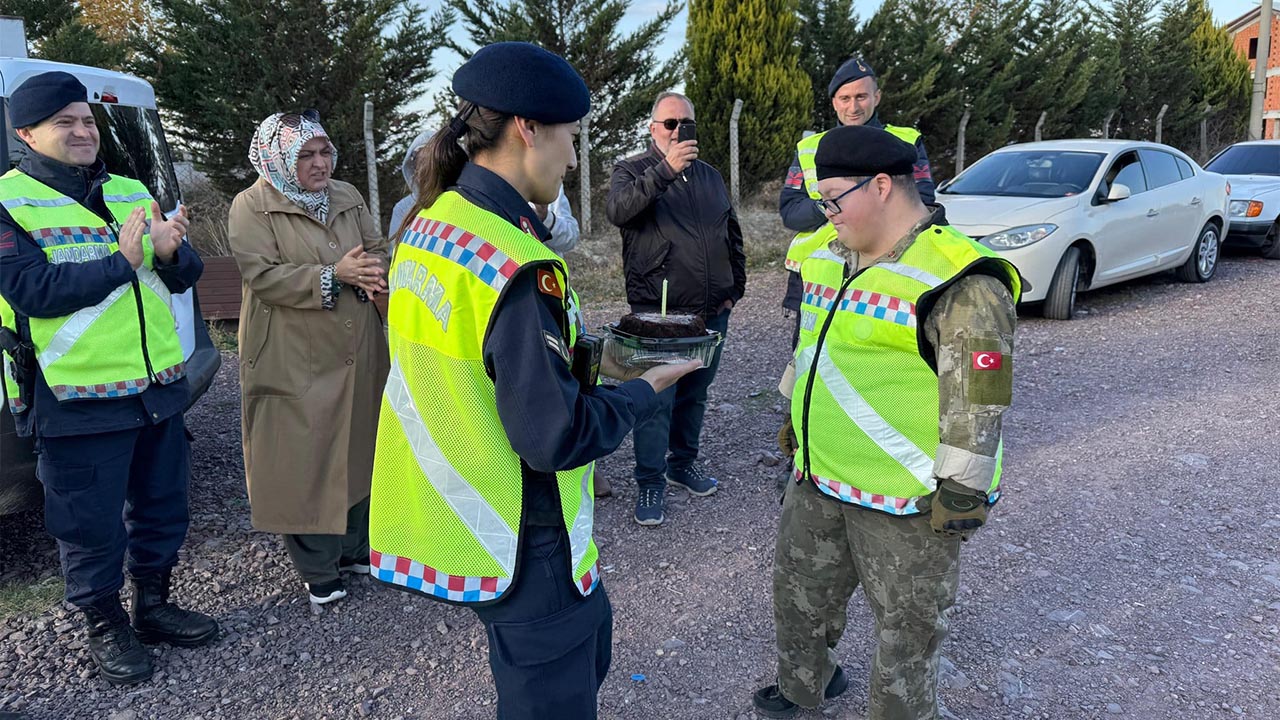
(649, 506)
(692, 479)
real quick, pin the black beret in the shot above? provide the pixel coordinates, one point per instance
(525, 80)
(853, 69)
(42, 95)
(861, 151)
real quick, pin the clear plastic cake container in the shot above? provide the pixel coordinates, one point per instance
(643, 353)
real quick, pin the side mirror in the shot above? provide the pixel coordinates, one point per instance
(1118, 192)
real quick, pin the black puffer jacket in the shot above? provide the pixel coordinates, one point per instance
(680, 227)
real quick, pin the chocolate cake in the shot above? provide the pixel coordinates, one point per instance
(654, 325)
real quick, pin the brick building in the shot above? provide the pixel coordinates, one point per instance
(1244, 30)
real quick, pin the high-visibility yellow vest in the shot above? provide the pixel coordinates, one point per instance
(866, 402)
(11, 392)
(444, 516)
(127, 341)
(805, 243)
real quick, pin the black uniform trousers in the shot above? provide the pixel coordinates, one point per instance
(113, 494)
(549, 647)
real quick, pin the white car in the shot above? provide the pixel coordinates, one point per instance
(1073, 215)
(1254, 171)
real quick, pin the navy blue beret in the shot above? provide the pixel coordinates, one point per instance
(861, 151)
(525, 80)
(853, 69)
(42, 95)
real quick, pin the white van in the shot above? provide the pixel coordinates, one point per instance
(133, 145)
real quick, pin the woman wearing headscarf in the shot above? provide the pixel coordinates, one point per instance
(313, 354)
(482, 492)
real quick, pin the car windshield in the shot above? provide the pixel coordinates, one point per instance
(132, 145)
(1247, 160)
(1040, 174)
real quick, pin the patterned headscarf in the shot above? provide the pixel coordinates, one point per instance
(273, 152)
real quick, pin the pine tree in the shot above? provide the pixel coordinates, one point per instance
(827, 35)
(58, 30)
(1128, 39)
(906, 42)
(227, 64)
(990, 56)
(745, 49)
(1060, 74)
(622, 72)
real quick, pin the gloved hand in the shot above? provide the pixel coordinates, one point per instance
(787, 441)
(957, 510)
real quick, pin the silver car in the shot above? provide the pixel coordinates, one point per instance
(1074, 215)
(1254, 171)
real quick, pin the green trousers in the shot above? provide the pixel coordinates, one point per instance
(909, 574)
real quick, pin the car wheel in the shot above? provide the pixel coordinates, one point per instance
(1204, 256)
(1060, 302)
(1271, 246)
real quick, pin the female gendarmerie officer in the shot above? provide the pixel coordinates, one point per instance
(482, 481)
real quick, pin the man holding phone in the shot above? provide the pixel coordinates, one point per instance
(677, 225)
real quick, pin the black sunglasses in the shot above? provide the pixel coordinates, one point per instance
(672, 123)
(294, 119)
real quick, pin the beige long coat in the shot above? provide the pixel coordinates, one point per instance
(310, 379)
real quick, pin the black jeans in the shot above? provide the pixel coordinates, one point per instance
(549, 647)
(113, 494)
(671, 436)
(317, 557)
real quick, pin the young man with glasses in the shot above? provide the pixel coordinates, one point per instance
(677, 226)
(903, 373)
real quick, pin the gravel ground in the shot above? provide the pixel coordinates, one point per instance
(1131, 570)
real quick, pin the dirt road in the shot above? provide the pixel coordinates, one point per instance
(1131, 571)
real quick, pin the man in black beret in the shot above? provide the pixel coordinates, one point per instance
(903, 373)
(87, 265)
(855, 94)
(680, 231)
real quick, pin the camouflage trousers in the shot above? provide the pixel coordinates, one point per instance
(909, 574)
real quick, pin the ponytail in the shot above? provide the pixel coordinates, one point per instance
(439, 163)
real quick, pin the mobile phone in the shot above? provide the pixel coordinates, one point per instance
(687, 131)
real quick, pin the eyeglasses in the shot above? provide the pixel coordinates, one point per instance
(672, 123)
(832, 206)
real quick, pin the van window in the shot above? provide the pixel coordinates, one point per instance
(131, 143)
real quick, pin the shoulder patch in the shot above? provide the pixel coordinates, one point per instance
(549, 284)
(556, 344)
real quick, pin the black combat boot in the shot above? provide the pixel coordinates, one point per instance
(771, 703)
(115, 648)
(158, 620)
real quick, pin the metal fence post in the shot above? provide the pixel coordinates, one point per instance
(733, 152)
(1040, 124)
(371, 159)
(1106, 125)
(1204, 133)
(584, 176)
(964, 122)
(1160, 121)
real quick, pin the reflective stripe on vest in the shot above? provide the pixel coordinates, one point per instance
(867, 417)
(446, 500)
(12, 394)
(97, 352)
(806, 242)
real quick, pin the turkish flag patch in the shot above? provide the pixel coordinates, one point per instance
(549, 284)
(987, 360)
